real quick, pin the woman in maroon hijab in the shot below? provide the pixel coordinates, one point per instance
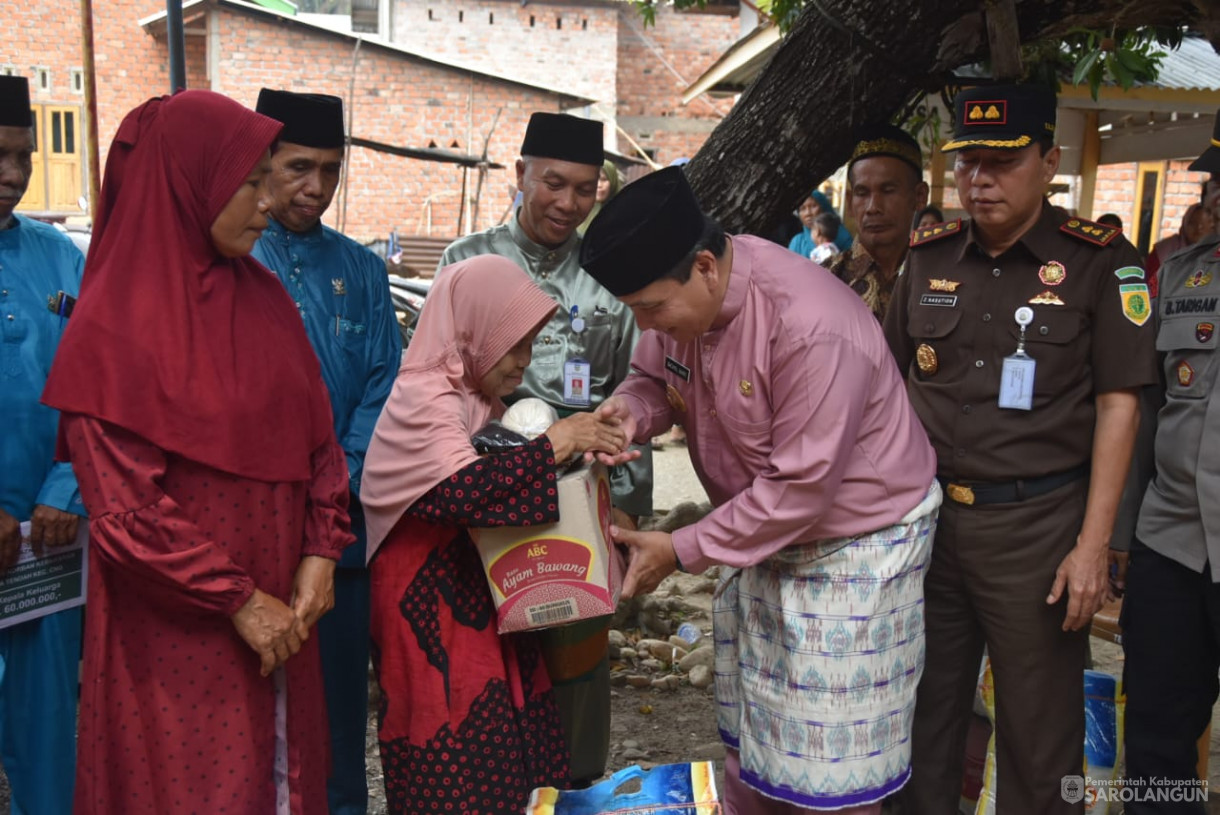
(199, 428)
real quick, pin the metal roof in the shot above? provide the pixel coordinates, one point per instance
(1194, 66)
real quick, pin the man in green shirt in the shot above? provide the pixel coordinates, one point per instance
(580, 356)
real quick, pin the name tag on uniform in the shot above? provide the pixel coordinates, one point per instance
(941, 300)
(677, 368)
(1017, 382)
(576, 382)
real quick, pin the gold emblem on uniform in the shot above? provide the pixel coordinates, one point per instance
(1052, 274)
(1047, 298)
(960, 493)
(943, 285)
(1186, 374)
(338, 285)
(746, 388)
(1198, 280)
(675, 399)
(925, 358)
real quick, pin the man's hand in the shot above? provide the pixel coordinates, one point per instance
(10, 541)
(271, 629)
(1084, 574)
(651, 559)
(313, 589)
(615, 411)
(1118, 573)
(51, 527)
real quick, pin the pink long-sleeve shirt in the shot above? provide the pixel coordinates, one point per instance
(796, 417)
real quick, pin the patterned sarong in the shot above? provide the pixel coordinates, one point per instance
(819, 650)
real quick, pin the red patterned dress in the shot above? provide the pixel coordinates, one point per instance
(468, 722)
(174, 716)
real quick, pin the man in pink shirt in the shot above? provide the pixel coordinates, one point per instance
(823, 480)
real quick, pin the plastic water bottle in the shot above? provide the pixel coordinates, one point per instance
(690, 632)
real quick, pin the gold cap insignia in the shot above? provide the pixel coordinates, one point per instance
(675, 399)
(925, 358)
(746, 388)
(943, 285)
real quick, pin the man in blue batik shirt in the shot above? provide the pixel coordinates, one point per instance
(343, 294)
(40, 272)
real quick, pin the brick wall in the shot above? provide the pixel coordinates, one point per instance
(404, 102)
(571, 46)
(655, 65)
(399, 100)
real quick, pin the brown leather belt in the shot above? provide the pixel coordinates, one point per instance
(977, 493)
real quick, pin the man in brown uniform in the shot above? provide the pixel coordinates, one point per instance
(1023, 332)
(885, 187)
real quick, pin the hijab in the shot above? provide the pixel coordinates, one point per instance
(803, 243)
(477, 310)
(616, 184)
(202, 355)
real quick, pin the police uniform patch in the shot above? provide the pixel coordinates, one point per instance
(1099, 234)
(1199, 279)
(943, 285)
(1186, 374)
(1128, 272)
(987, 112)
(1204, 331)
(1190, 305)
(941, 300)
(1052, 274)
(935, 232)
(1136, 307)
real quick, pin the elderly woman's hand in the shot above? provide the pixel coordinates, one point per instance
(313, 589)
(583, 432)
(271, 628)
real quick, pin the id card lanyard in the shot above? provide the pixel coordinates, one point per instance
(1017, 374)
(576, 371)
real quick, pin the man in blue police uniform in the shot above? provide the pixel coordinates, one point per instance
(343, 295)
(40, 272)
(1171, 614)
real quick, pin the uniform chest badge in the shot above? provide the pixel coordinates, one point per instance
(1136, 306)
(1052, 274)
(1128, 272)
(943, 285)
(1186, 374)
(1204, 331)
(745, 387)
(1047, 298)
(675, 399)
(338, 285)
(1199, 279)
(925, 358)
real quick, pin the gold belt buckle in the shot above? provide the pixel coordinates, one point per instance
(961, 494)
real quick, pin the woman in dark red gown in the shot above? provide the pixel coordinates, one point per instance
(468, 721)
(199, 428)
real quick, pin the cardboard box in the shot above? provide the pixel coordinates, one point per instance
(555, 574)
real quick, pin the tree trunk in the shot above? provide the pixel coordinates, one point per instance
(851, 63)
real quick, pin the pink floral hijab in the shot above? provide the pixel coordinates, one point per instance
(477, 311)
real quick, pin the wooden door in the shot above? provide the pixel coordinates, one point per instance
(62, 149)
(35, 198)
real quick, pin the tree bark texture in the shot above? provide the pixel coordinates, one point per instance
(847, 64)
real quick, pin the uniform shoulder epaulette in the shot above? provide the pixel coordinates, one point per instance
(935, 232)
(1089, 231)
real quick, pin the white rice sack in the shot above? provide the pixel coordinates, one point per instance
(530, 417)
